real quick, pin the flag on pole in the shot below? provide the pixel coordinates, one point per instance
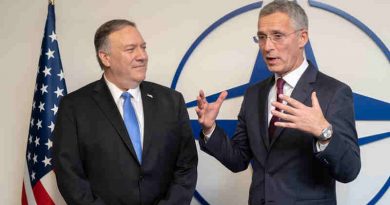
(39, 183)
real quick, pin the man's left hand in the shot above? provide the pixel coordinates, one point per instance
(296, 115)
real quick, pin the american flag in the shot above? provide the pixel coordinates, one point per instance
(39, 184)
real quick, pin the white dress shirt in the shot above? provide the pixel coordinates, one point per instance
(291, 80)
(136, 101)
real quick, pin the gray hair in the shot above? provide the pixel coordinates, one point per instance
(291, 8)
(101, 36)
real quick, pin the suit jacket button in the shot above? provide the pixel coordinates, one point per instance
(326, 161)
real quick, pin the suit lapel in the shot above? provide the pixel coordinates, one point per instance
(149, 106)
(304, 87)
(104, 100)
(301, 92)
(263, 110)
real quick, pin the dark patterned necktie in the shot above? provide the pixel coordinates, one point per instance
(271, 129)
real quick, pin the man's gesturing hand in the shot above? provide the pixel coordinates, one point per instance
(208, 112)
(299, 116)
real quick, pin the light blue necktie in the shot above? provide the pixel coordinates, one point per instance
(130, 119)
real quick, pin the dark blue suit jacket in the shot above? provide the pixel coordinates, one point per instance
(289, 170)
(95, 162)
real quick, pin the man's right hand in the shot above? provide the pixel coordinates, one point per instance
(208, 112)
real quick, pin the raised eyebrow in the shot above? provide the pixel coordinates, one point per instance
(276, 32)
(272, 32)
(260, 33)
(130, 46)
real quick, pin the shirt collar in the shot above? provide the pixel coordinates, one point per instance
(117, 92)
(293, 77)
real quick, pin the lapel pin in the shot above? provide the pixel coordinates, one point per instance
(149, 95)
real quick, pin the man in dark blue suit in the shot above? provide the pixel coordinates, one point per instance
(113, 149)
(297, 127)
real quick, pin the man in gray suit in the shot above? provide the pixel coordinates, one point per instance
(122, 140)
(297, 127)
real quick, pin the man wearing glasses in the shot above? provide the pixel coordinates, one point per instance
(297, 127)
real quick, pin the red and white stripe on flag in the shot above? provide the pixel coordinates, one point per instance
(45, 192)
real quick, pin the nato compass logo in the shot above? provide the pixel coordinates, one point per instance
(229, 67)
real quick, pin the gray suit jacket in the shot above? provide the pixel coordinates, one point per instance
(95, 162)
(289, 170)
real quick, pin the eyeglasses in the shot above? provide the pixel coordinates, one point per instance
(276, 38)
